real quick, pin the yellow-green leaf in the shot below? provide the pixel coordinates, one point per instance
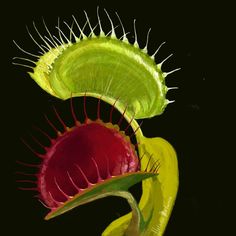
(159, 192)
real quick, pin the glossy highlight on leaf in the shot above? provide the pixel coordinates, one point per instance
(101, 65)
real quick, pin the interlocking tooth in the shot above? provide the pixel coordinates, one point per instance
(113, 33)
(45, 205)
(60, 32)
(73, 183)
(50, 35)
(54, 200)
(135, 35)
(60, 189)
(154, 54)
(165, 74)
(24, 51)
(91, 34)
(124, 38)
(71, 31)
(145, 49)
(80, 30)
(55, 45)
(99, 179)
(102, 34)
(169, 101)
(172, 88)
(163, 61)
(84, 176)
(59, 42)
(48, 47)
(24, 59)
(31, 36)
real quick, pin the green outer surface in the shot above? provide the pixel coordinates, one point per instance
(107, 67)
(106, 188)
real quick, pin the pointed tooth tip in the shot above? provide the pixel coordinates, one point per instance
(169, 101)
(165, 74)
(177, 69)
(172, 88)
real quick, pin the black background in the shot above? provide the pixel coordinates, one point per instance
(195, 32)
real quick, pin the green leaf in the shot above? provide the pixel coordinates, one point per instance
(109, 187)
(108, 67)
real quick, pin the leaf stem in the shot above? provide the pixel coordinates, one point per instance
(136, 224)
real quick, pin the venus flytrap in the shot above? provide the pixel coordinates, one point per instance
(125, 76)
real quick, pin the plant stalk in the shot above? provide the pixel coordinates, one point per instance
(136, 224)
